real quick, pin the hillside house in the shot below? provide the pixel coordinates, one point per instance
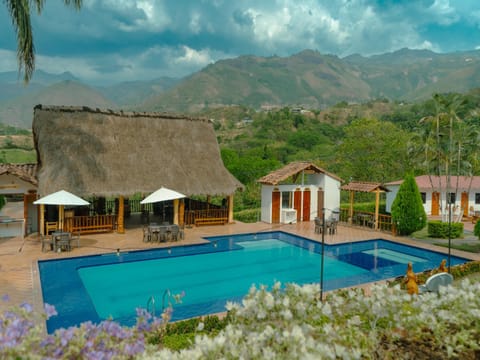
(298, 192)
(464, 194)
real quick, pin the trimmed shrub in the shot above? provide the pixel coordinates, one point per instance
(476, 229)
(438, 229)
(408, 213)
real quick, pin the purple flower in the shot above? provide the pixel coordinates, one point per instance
(6, 298)
(27, 307)
(50, 311)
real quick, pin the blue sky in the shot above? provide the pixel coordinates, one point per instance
(111, 41)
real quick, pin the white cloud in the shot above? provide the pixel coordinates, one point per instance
(444, 13)
(194, 57)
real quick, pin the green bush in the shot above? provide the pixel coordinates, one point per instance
(247, 216)
(438, 229)
(476, 229)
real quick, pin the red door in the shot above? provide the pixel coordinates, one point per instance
(435, 203)
(306, 205)
(297, 204)
(276, 207)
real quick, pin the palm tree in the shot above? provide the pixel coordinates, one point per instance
(20, 13)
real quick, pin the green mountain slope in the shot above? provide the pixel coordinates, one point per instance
(307, 79)
(313, 80)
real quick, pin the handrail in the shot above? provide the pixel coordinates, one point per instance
(166, 292)
(151, 300)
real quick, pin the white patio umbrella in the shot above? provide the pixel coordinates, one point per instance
(61, 198)
(162, 194)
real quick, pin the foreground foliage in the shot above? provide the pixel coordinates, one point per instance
(284, 323)
(387, 324)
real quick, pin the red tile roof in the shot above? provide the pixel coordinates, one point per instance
(435, 182)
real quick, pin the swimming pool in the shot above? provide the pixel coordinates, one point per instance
(114, 285)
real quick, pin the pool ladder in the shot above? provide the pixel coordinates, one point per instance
(151, 305)
(166, 294)
(151, 302)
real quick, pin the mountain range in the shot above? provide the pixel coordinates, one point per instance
(308, 79)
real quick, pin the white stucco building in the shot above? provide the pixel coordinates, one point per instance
(298, 192)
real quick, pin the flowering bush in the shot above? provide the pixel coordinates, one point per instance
(22, 336)
(281, 323)
(295, 324)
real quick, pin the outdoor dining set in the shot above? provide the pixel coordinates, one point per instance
(60, 241)
(162, 232)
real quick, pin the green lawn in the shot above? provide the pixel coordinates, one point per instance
(17, 156)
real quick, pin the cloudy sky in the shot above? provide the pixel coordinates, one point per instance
(121, 40)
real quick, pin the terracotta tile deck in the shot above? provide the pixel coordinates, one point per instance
(18, 257)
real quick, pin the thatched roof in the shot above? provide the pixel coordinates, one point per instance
(363, 186)
(293, 170)
(106, 153)
(26, 172)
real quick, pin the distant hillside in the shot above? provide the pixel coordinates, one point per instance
(19, 112)
(133, 93)
(308, 79)
(313, 80)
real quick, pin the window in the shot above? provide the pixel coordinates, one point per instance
(477, 198)
(286, 200)
(453, 198)
(424, 197)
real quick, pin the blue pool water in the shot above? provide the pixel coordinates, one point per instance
(102, 286)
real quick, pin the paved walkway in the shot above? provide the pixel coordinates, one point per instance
(18, 257)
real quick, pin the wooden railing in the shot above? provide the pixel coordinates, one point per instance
(206, 217)
(90, 224)
(367, 219)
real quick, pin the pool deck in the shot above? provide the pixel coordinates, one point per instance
(19, 277)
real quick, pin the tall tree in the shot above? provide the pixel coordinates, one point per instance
(373, 150)
(448, 145)
(20, 13)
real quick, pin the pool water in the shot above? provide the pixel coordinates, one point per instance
(110, 286)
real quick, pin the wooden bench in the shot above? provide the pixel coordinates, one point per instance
(92, 229)
(211, 221)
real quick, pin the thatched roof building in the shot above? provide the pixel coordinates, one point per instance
(114, 153)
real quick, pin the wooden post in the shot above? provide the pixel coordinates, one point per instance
(121, 217)
(181, 213)
(230, 209)
(42, 219)
(175, 211)
(377, 206)
(350, 215)
(60, 216)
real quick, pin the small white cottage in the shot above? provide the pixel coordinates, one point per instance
(464, 193)
(20, 180)
(299, 192)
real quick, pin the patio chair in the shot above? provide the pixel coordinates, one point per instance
(318, 225)
(75, 238)
(147, 235)
(174, 232)
(434, 282)
(162, 233)
(47, 241)
(50, 227)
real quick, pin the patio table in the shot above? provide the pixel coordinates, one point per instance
(61, 240)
